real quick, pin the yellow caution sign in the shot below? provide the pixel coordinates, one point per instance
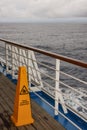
(22, 107)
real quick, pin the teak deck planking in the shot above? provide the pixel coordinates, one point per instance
(43, 121)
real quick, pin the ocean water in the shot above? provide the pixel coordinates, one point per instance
(68, 39)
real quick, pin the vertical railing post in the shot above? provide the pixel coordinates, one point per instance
(6, 51)
(19, 56)
(12, 49)
(57, 86)
(58, 94)
(37, 70)
(29, 69)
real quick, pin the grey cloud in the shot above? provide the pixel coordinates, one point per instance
(42, 8)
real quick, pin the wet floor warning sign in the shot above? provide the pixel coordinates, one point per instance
(22, 107)
(24, 91)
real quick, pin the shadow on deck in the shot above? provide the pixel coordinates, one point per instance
(43, 121)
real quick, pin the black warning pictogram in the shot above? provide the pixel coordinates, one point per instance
(24, 91)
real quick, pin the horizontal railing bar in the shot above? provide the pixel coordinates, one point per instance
(73, 77)
(60, 91)
(69, 98)
(43, 99)
(45, 83)
(70, 120)
(76, 112)
(2, 55)
(68, 86)
(43, 73)
(47, 93)
(2, 47)
(66, 97)
(54, 55)
(43, 64)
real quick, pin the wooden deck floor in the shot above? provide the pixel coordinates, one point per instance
(43, 121)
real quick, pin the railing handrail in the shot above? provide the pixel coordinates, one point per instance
(48, 53)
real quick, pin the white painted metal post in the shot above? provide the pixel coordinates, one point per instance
(12, 48)
(6, 50)
(19, 56)
(29, 69)
(37, 70)
(58, 95)
(57, 86)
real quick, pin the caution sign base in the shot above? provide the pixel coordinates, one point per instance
(22, 107)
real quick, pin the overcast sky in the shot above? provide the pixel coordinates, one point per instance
(42, 9)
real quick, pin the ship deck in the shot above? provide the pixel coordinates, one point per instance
(43, 121)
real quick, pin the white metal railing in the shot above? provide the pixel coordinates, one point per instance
(44, 71)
